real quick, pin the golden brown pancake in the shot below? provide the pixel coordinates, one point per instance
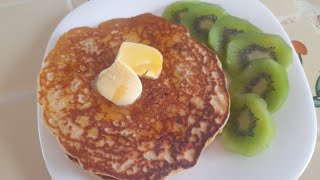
(164, 131)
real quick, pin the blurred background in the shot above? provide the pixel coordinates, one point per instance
(26, 26)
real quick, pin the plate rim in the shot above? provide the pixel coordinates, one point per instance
(53, 40)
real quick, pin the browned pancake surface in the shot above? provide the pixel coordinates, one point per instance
(164, 131)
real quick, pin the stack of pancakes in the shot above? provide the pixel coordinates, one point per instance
(164, 131)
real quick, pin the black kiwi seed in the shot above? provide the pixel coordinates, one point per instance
(203, 24)
(177, 15)
(175, 11)
(227, 32)
(249, 129)
(224, 30)
(265, 78)
(247, 47)
(245, 127)
(264, 52)
(262, 79)
(201, 18)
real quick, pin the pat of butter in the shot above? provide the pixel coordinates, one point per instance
(119, 84)
(145, 60)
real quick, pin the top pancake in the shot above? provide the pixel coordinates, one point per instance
(164, 131)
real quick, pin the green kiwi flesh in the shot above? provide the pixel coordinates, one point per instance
(175, 11)
(263, 77)
(200, 19)
(250, 128)
(247, 47)
(224, 29)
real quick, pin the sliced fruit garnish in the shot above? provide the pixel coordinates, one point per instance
(267, 79)
(200, 19)
(177, 10)
(224, 30)
(247, 47)
(250, 128)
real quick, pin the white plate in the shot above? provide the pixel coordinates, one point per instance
(292, 148)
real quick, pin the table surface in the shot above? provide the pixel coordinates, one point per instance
(26, 26)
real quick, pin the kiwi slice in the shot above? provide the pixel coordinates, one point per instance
(200, 19)
(224, 29)
(246, 47)
(250, 128)
(267, 79)
(175, 11)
